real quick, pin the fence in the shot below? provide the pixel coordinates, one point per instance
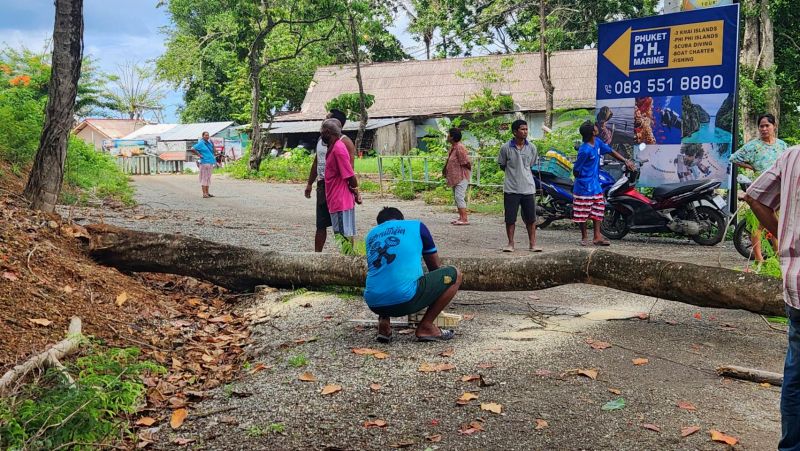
(403, 168)
(148, 165)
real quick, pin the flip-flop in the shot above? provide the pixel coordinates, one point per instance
(584, 242)
(602, 243)
(534, 249)
(384, 338)
(508, 249)
(459, 223)
(446, 334)
(210, 195)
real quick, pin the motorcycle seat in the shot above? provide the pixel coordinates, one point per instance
(674, 189)
(551, 178)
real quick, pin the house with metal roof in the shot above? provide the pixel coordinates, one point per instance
(174, 142)
(414, 93)
(96, 131)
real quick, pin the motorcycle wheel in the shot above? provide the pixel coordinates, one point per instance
(742, 241)
(715, 226)
(544, 212)
(614, 225)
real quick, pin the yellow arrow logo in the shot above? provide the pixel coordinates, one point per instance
(620, 52)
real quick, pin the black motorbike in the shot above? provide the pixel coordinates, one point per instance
(687, 208)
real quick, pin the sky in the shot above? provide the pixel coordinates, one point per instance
(115, 32)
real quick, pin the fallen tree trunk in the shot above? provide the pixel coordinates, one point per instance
(49, 358)
(242, 269)
(750, 374)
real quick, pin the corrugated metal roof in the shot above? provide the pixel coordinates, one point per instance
(284, 128)
(434, 87)
(188, 132)
(112, 128)
(150, 131)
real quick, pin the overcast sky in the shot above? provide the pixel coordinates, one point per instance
(116, 31)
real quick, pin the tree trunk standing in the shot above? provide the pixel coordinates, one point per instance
(544, 72)
(362, 126)
(47, 174)
(758, 53)
(254, 62)
(242, 269)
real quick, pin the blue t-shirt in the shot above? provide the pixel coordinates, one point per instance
(206, 150)
(587, 168)
(394, 250)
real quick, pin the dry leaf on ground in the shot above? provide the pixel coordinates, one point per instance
(718, 436)
(686, 405)
(330, 389)
(8, 275)
(471, 428)
(180, 441)
(615, 391)
(689, 430)
(435, 368)
(258, 367)
(377, 423)
(145, 421)
(596, 344)
(377, 353)
(640, 361)
(541, 424)
(405, 443)
(468, 317)
(436, 438)
(178, 417)
(447, 352)
(121, 298)
(591, 373)
(40, 321)
(374, 387)
(68, 289)
(466, 398)
(485, 365)
(652, 427)
(470, 377)
(492, 407)
(307, 377)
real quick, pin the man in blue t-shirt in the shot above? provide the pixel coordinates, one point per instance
(396, 285)
(205, 151)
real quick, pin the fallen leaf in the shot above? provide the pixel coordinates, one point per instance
(591, 373)
(434, 422)
(485, 365)
(8, 275)
(258, 367)
(643, 315)
(468, 317)
(640, 361)
(377, 353)
(543, 373)
(178, 417)
(689, 430)
(207, 358)
(765, 384)
(374, 387)
(466, 398)
(492, 407)
(307, 377)
(615, 404)
(121, 298)
(378, 423)
(431, 368)
(686, 405)
(541, 424)
(403, 443)
(471, 428)
(436, 438)
(697, 316)
(330, 389)
(718, 436)
(40, 321)
(405, 331)
(615, 391)
(599, 345)
(447, 352)
(221, 319)
(470, 377)
(145, 421)
(652, 427)
(180, 441)
(380, 355)
(68, 289)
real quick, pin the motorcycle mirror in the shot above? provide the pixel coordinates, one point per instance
(642, 146)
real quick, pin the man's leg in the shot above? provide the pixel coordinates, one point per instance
(584, 234)
(790, 390)
(580, 214)
(426, 328)
(385, 326)
(511, 207)
(755, 238)
(528, 204)
(598, 211)
(323, 218)
(319, 239)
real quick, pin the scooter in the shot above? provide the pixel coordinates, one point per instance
(687, 208)
(554, 195)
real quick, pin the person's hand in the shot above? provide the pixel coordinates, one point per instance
(308, 191)
(358, 197)
(629, 164)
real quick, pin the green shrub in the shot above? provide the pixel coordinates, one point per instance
(294, 168)
(21, 120)
(440, 195)
(94, 173)
(51, 414)
(404, 190)
(368, 186)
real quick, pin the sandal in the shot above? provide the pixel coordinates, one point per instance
(446, 334)
(535, 249)
(508, 249)
(602, 243)
(460, 222)
(384, 338)
(584, 242)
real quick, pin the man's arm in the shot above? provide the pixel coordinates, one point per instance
(432, 261)
(429, 252)
(502, 159)
(312, 177)
(619, 157)
(351, 149)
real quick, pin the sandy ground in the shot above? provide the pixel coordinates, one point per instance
(525, 345)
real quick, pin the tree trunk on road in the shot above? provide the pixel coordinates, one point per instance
(47, 174)
(242, 269)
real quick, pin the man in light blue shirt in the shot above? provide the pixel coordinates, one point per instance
(205, 151)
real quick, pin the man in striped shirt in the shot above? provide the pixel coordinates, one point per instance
(779, 189)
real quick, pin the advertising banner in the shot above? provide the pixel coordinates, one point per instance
(669, 82)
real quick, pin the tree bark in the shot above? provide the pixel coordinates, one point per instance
(544, 71)
(242, 269)
(255, 67)
(362, 126)
(758, 52)
(750, 374)
(47, 174)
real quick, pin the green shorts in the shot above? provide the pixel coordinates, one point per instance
(430, 287)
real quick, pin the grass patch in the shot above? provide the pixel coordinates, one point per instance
(294, 168)
(368, 186)
(91, 174)
(366, 165)
(778, 320)
(298, 360)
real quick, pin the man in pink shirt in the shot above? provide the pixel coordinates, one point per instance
(778, 188)
(341, 185)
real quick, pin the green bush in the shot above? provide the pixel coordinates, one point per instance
(87, 415)
(440, 195)
(93, 173)
(21, 120)
(404, 190)
(294, 168)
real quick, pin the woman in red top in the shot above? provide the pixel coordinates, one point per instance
(456, 171)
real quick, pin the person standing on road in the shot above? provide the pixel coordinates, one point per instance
(457, 169)
(589, 202)
(777, 189)
(205, 151)
(341, 185)
(759, 155)
(317, 173)
(515, 159)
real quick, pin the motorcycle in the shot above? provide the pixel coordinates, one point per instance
(687, 208)
(554, 195)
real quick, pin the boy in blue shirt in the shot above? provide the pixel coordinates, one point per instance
(589, 202)
(396, 285)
